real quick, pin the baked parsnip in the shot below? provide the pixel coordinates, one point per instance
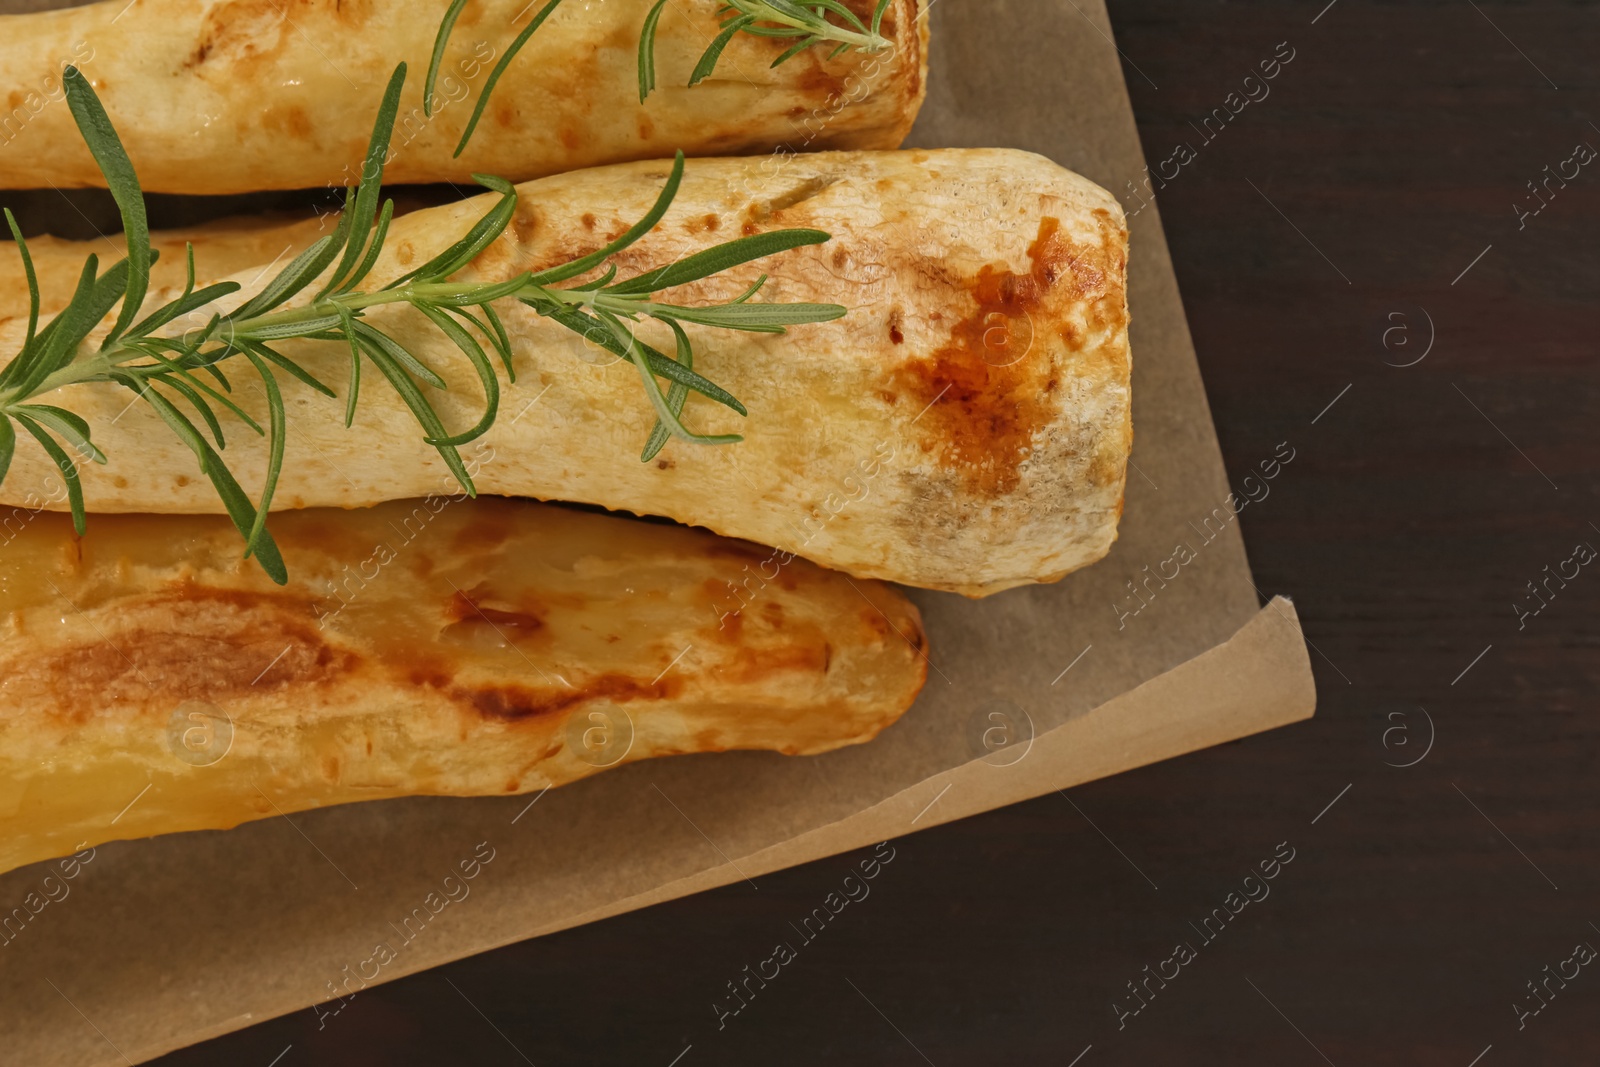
(222, 247)
(965, 427)
(151, 681)
(224, 96)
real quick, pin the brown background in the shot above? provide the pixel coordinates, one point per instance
(1396, 142)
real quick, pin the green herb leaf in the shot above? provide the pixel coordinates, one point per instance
(8, 445)
(366, 203)
(583, 265)
(396, 351)
(289, 281)
(676, 396)
(64, 464)
(708, 61)
(53, 345)
(354, 390)
(33, 285)
(716, 260)
(439, 42)
(499, 69)
(421, 410)
(484, 232)
(374, 247)
(598, 332)
(234, 500)
(877, 17)
(65, 425)
(480, 363)
(647, 50)
(276, 419)
(112, 159)
(752, 318)
(293, 368)
(665, 413)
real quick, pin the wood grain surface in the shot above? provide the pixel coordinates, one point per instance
(1360, 213)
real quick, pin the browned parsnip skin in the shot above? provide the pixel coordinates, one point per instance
(226, 96)
(436, 646)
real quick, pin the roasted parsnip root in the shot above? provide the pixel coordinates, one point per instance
(966, 426)
(222, 247)
(224, 96)
(437, 646)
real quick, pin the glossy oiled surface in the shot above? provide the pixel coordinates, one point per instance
(224, 96)
(441, 645)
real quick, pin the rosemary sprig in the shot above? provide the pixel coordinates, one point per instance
(806, 21)
(169, 370)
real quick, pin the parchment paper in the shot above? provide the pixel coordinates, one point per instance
(165, 942)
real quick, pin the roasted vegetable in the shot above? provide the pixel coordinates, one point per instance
(151, 681)
(224, 96)
(966, 427)
(227, 245)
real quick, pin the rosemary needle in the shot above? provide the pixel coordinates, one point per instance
(169, 370)
(806, 21)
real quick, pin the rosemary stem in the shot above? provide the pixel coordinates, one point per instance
(831, 31)
(99, 365)
(865, 41)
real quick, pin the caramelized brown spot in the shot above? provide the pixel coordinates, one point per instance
(819, 81)
(516, 703)
(983, 398)
(190, 642)
(876, 621)
(292, 120)
(240, 35)
(429, 675)
(799, 656)
(511, 622)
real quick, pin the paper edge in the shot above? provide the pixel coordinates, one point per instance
(1157, 720)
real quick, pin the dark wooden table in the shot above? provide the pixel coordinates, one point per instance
(1351, 240)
